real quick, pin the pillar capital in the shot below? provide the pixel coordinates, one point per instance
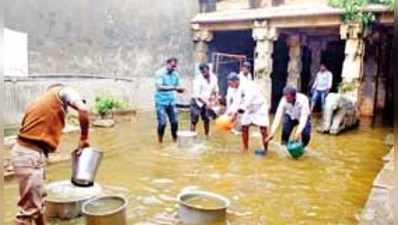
(262, 31)
(294, 40)
(201, 35)
(351, 31)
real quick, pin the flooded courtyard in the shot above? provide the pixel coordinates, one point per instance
(329, 185)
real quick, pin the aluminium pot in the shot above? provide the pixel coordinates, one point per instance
(113, 216)
(65, 200)
(191, 214)
(84, 166)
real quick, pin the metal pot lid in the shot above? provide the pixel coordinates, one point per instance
(64, 192)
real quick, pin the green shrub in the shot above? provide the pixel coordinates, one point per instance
(105, 104)
(353, 10)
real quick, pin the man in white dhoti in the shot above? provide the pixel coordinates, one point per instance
(247, 101)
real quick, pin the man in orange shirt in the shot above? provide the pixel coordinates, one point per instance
(39, 135)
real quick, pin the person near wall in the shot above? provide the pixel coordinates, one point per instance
(205, 96)
(168, 82)
(293, 110)
(248, 101)
(321, 87)
(39, 135)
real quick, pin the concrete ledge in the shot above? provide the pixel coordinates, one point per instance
(378, 208)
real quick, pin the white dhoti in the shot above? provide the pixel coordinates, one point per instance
(256, 115)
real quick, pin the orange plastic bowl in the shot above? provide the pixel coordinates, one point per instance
(224, 122)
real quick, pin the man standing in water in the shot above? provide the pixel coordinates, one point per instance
(294, 109)
(321, 87)
(245, 77)
(39, 135)
(205, 96)
(248, 102)
(167, 83)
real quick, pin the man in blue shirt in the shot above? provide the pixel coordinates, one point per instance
(167, 84)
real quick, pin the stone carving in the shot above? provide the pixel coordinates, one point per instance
(264, 37)
(354, 50)
(295, 65)
(340, 113)
(201, 39)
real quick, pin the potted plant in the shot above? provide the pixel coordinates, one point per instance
(104, 106)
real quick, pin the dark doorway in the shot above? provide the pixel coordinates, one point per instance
(231, 42)
(279, 70)
(333, 57)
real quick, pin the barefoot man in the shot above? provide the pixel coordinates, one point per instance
(167, 84)
(205, 96)
(39, 135)
(293, 110)
(248, 101)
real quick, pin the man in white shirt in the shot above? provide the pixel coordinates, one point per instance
(295, 111)
(321, 87)
(245, 76)
(247, 101)
(245, 73)
(205, 96)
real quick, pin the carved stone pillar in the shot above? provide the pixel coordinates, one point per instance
(201, 40)
(353, 62)
(295, 65)
(367, 101)
(264, 37)
(316, 47)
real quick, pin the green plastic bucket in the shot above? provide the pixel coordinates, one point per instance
(295, 149)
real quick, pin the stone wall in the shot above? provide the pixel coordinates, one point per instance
(123, 38)
(136, 91)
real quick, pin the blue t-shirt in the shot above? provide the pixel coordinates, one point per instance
(166, 79)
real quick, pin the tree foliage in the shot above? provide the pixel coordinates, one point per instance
(354, 10)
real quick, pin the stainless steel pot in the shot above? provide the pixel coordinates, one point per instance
(115, 216)
(64, 200)
(186, 138)
(84, 166)
(191, 214)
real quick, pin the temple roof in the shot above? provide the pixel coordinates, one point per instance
(284, 11)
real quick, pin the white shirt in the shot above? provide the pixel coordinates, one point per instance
(205, 89)
(323, 81)
(299, 111)
(247, 96)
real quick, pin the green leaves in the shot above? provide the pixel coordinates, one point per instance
(353, 10)
(105, 104)
(389, 3)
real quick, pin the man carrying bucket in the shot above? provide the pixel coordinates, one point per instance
(167, 84)
(294, 109)
(39, 135)
(248, 101)
(205, 96)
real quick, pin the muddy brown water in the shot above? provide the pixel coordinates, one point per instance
(329, 185)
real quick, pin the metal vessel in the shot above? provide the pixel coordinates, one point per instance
(65, 200)
(191, 214)
(186, 138)
(84, 166)
(113, 216)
